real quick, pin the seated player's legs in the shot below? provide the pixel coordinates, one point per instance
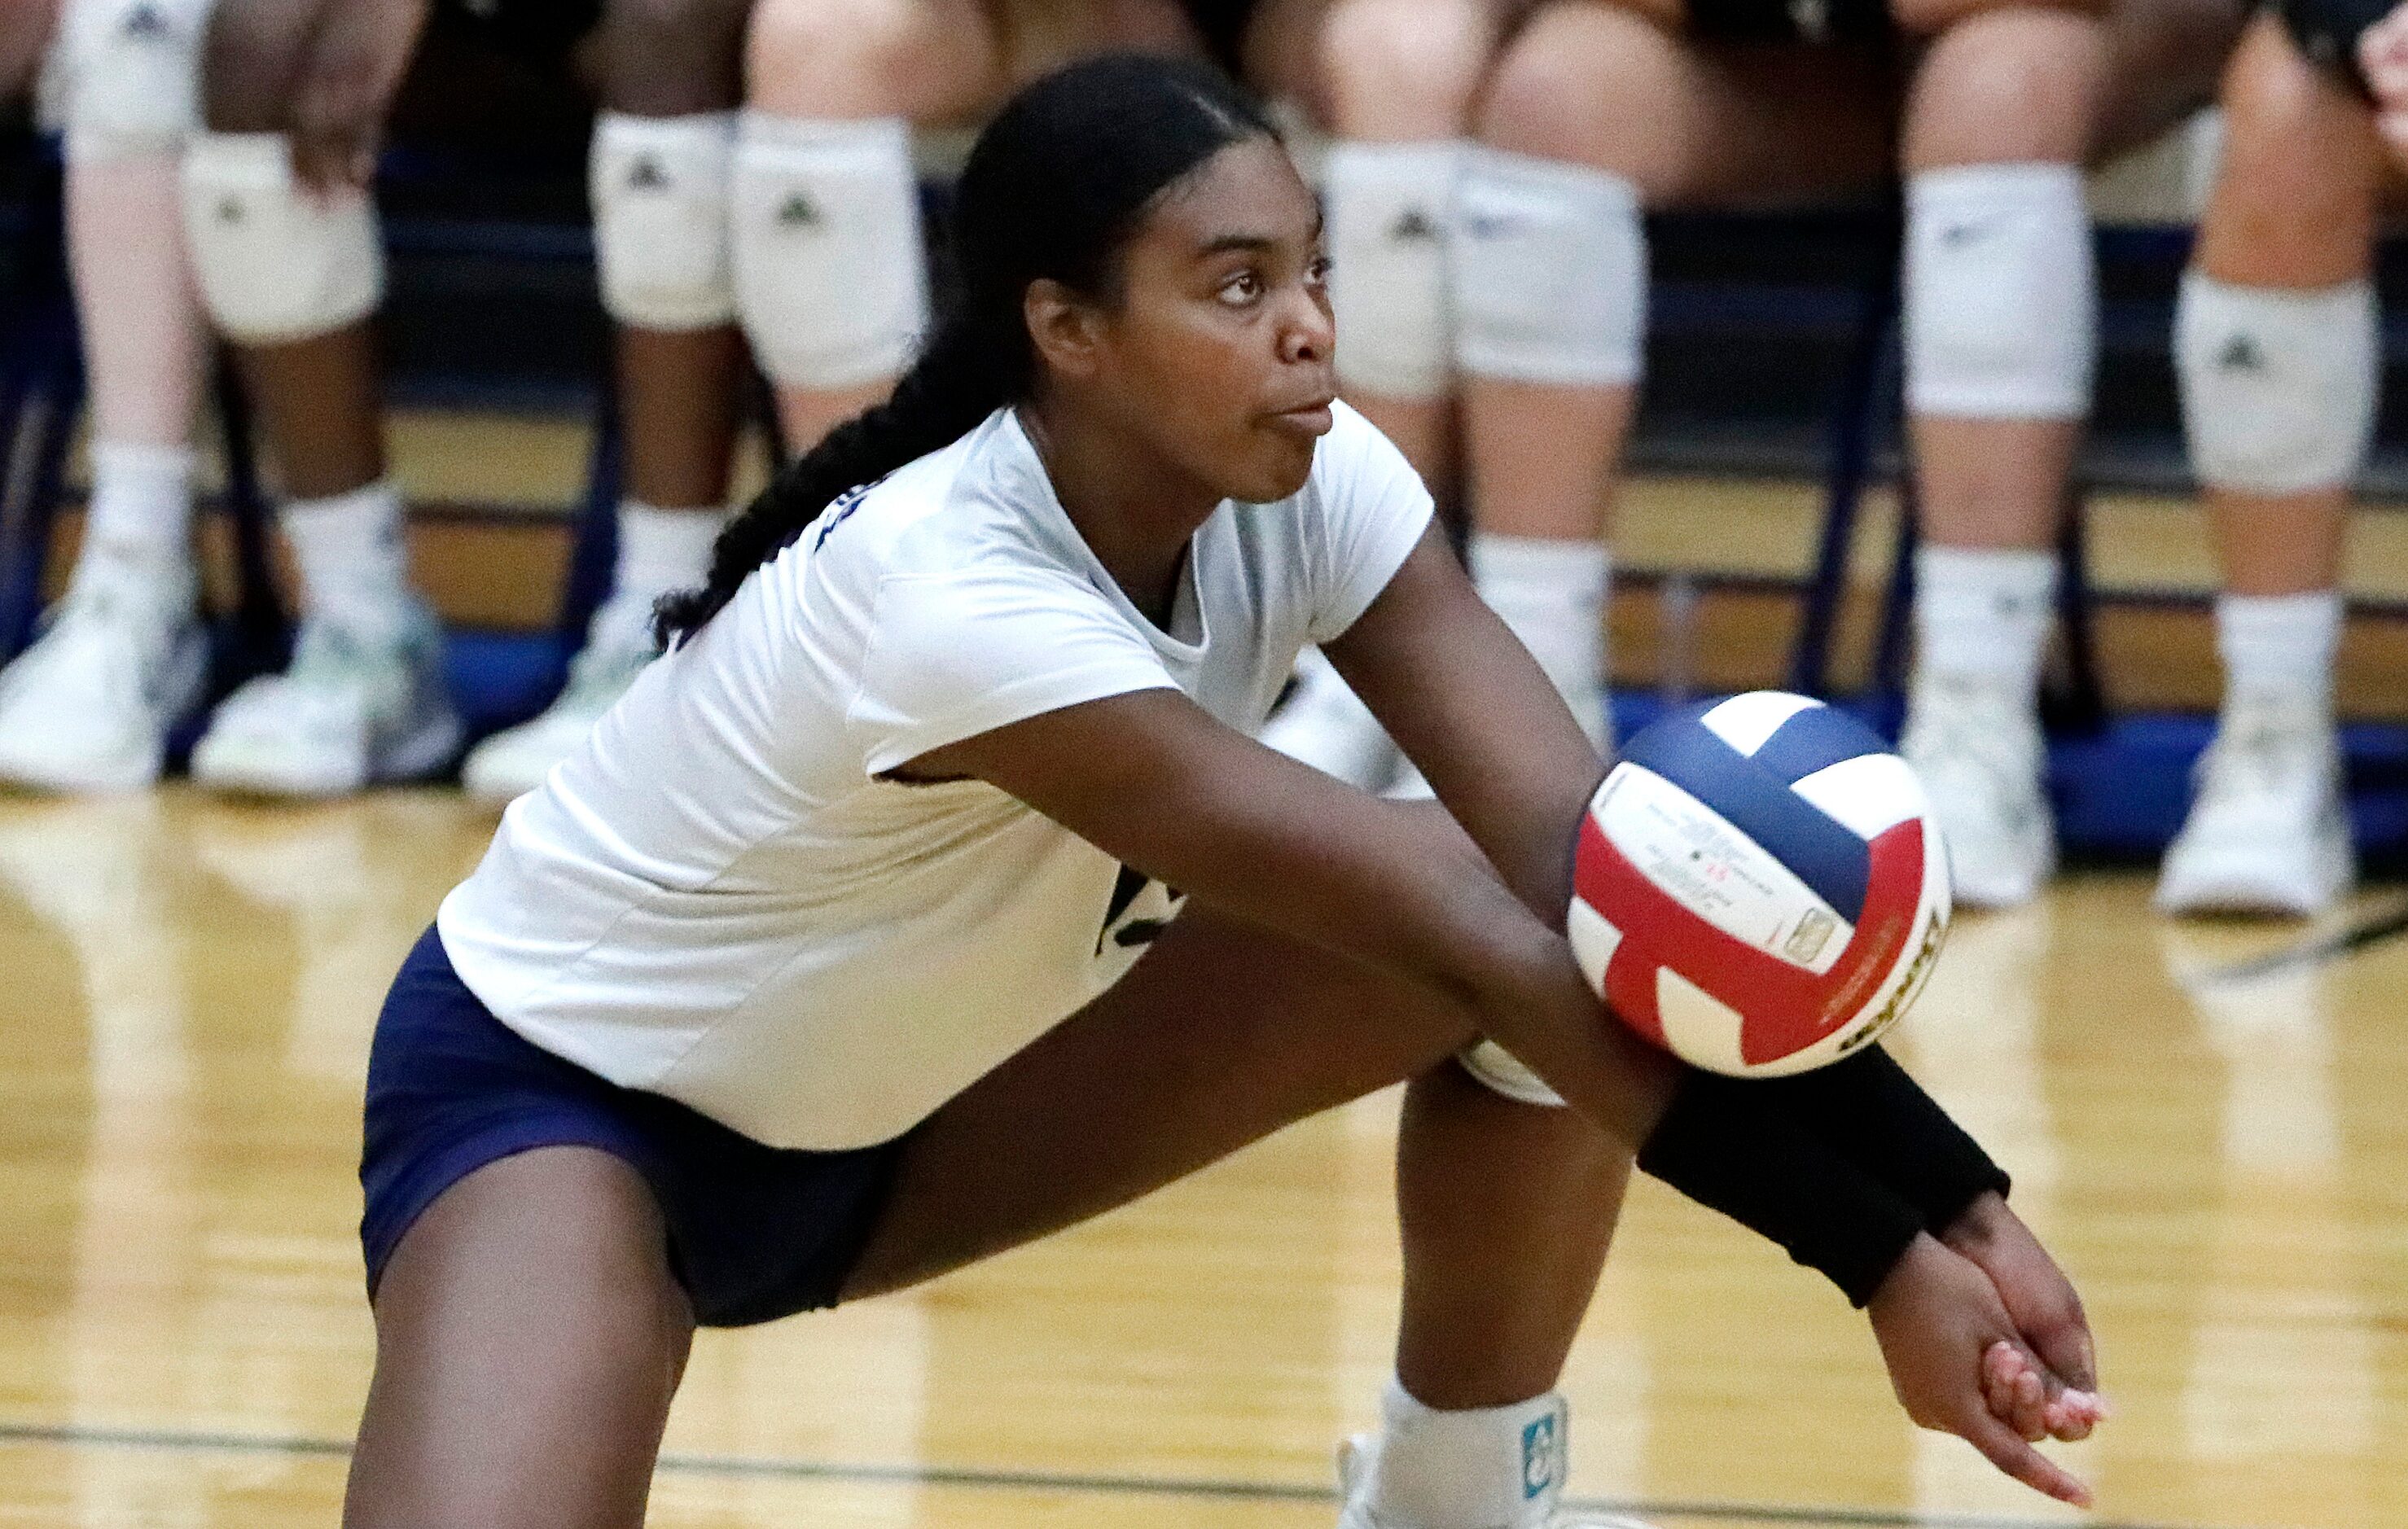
(88, 707)
(2008, 103)
(1596, 113)
(663, 146)
(2277, 345)
(830, 271)
(1393, 81)
(285, 243)
(1999, 332)
(1221, 1035)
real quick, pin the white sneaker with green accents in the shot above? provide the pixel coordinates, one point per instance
(354, 709)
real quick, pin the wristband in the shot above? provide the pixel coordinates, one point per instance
(1732, 1146)
(1881, 1120)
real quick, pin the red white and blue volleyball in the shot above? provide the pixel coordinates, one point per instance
(1759, 886)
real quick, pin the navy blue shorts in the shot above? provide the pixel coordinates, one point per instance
(755, 1232)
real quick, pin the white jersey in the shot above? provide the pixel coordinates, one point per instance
(718, 897)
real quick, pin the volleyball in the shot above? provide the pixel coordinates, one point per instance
(1759, 886)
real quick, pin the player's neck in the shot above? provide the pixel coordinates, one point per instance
(1135, 509)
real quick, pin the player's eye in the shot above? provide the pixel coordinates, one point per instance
(1240, 287)
(1317, 273)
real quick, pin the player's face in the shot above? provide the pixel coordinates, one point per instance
(1219, 349)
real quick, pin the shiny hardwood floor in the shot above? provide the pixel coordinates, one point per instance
(186, 989)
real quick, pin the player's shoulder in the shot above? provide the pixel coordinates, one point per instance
(1354, 452)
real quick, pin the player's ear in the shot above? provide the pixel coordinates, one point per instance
(1063, 326)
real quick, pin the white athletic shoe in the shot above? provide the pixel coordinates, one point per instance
(89, 705)
(352, 710)
(1323, 724)
(1355, 1460)
(1978, 749)
(514, 762)
(2268, 831)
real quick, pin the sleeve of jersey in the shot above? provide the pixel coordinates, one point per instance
(1372, 509)
(955, 656)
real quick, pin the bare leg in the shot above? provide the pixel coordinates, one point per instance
(859, 60)
(680, 389)
(2012, 85)
(2277, 344)
(317, 396)
(1602, 86)
(1220, 1036)
(529, 1337)
(2293, 210)
(1404, 72)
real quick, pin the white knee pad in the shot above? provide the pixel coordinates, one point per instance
(1390, 206)
(2278, 386)
(274, 262)
(127, 74)
(1497, 1068)
(659, 190)
(2001, 294)
(1549, 262)
(831, 277)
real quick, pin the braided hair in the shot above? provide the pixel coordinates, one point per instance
(1054, 187)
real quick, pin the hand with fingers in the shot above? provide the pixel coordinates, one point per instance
(2063, 1390)
(1960, 1361)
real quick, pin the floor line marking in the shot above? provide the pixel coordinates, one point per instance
(208, 1442)
(2315, 952)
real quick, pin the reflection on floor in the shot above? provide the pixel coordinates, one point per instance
(188, 991)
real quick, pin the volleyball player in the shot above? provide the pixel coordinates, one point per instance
(840, 955)
(286, 245)
(2279, 350)
(1602, 108)
(120, 659)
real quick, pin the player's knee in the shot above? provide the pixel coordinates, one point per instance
(659, 187)
(1549, 265)
(2001, 291)
(1590, 84)
(2012, 82)
(276, 263)
(670, 57)
(2278, 385)
(830, 275)
(840, 57)
(131, 72)
(1403, 68)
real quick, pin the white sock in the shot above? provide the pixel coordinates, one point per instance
(2279, 647)
(1984, 614)
(1552, 593)
(140, 518)
(354, 568)
(661, 552)
(1491, 1466)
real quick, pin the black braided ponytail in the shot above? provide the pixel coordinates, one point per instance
(1053, 188)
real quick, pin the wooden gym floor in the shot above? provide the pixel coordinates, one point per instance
(2209, 1124)
(2219, 1152)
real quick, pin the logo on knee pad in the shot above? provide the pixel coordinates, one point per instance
(2241, 353)
(798, 211)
